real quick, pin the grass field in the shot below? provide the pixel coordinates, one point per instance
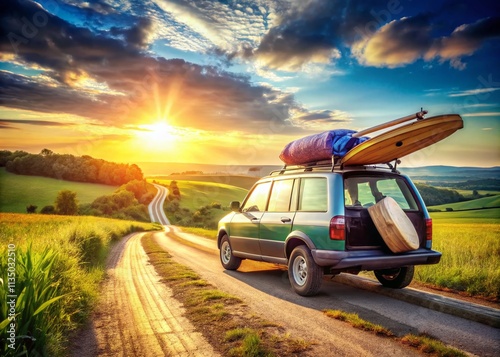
(19, 191)
(480, 216)
(471, 254)
(242, 181)
(485, 202)
(195, 194)
(58, 265)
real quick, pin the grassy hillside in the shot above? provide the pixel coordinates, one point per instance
(19, 191)
(242, 181)
(476, 216)
(485, 202)
(195, 194)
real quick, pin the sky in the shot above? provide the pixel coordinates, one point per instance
(232, 82)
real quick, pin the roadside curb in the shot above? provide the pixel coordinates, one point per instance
(470, 311)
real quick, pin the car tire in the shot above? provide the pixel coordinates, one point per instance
(304, 274)
(228, 260)
(395, 278)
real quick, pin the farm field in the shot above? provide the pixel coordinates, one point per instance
(470, 244)
(19, 191)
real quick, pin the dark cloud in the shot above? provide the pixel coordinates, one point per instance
(312, 31)
(411, 38)
(33, 122)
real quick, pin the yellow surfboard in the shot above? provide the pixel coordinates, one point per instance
(403, 140)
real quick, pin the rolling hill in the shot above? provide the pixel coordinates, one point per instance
(19, 191)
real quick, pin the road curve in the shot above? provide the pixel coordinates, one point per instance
(155, 208)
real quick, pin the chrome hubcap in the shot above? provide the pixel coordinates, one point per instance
(226, 252)
(300, 271)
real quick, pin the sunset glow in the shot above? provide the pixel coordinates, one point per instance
(234, 82)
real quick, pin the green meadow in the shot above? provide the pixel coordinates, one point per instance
(242, 181)
(19, 191)
(195, 194)
(485, 202)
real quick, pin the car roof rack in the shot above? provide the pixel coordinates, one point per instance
(329, 165)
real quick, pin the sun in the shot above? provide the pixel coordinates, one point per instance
(157, 132)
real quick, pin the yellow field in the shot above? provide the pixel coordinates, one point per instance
(471, 257)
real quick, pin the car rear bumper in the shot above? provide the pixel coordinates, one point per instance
(374, 259)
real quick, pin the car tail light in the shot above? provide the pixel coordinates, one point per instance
(337, 228)
(428, 230)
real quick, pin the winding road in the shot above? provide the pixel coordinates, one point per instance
(155, 208)
(138, 316)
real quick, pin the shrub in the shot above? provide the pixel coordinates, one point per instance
(50, 209)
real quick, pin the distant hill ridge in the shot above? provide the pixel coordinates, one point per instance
(167, 168)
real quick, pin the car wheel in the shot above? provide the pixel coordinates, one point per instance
(228, 260)
(395, 278)
(303, 272)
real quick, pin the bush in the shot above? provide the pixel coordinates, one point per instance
(50, 209)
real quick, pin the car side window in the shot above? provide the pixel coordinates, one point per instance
(257, 200)
(313, 195)
(280, 196)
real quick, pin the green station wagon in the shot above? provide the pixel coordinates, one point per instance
(315, 220)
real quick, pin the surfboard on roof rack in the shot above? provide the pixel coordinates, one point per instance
(404, 140)
(408, 134)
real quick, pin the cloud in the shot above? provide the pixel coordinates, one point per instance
(477, 91)
(309, 32)
(406, 40)
(130, 85)
(32, 122)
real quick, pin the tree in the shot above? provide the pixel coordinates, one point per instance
(46, 152)
(66, 203)
(31, 209)
(175, 193)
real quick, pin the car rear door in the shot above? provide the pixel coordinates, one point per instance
(276, 222)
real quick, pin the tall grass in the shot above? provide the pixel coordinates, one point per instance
(470, 261)
(59, 264)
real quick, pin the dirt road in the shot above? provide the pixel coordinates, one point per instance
(136, 315)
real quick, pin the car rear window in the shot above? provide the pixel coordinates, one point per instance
(365, 191)
(280, 196)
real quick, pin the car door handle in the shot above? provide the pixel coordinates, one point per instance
(255, 220)
(286, 220)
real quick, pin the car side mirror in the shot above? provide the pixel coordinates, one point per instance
(235, 206)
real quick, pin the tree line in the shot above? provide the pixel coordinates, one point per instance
(433, 196)
(69, 167)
